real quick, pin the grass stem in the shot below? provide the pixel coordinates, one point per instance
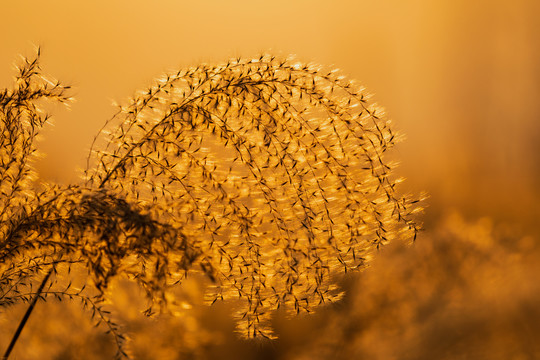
(26, 315)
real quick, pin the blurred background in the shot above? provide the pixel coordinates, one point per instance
(461, 79)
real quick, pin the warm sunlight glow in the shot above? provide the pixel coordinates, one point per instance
(176, 195)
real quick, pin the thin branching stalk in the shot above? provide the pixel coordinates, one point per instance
(27, 314)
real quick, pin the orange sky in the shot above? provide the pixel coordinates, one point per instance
(461, 79)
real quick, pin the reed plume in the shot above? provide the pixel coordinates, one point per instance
(265, 175)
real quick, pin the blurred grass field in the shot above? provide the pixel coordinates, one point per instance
(465, 290)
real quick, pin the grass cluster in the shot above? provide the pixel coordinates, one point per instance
(267, 176)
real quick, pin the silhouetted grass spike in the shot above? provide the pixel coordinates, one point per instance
(273, 169)
(37, 228)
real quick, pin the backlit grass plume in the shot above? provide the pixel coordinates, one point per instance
(265, 175)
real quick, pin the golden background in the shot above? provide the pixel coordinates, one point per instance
(461, 79)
